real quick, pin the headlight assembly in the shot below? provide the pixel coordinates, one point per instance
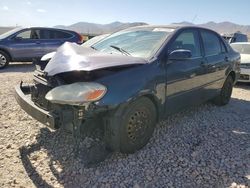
(77, 93)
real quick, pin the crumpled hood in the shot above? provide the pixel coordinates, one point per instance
(73, 57)
(245, 58)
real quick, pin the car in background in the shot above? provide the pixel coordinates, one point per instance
(25, 44)
(130, 80)
(244, 49)
(41, 63)
(235, 37)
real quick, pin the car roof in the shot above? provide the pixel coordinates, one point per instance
(50, 28)
(171, 26)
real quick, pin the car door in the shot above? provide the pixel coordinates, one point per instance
(185, 78)
(216, 61)
(52, 39)
(25, 45)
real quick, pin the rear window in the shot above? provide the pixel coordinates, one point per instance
(51, 34)
(211, 43)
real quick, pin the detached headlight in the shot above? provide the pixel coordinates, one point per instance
(77, 93)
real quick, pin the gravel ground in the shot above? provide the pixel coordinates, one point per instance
(205, 146)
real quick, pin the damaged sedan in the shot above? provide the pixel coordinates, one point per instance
(129, 81)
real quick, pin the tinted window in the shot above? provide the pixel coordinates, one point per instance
(62, 35)
(52, 34)
(211, 43)
(188, 40)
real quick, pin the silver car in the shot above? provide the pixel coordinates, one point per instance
(244, 49)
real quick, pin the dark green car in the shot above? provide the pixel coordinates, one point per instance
(130, 80)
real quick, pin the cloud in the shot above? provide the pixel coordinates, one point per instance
(28, 2)
(5, 8)
(41, 10)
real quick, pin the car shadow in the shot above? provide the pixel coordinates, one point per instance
(18, 67)
(242, 85)
(75, 170)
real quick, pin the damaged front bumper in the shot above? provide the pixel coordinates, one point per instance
(60, 115)
(22, 95)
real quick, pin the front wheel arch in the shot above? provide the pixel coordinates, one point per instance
(113, 125)
(7, 53)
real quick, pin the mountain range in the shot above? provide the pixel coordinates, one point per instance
(92, 28)
(96, 29)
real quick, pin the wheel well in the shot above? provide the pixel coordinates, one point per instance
(232, 73)
(153, 100)
(5, 51)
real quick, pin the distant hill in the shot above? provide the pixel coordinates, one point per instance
(96, 29)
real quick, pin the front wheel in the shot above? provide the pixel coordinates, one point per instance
(225, 94)
(134, 128)
(4, 59)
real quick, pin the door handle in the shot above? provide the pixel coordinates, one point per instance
(206, 65)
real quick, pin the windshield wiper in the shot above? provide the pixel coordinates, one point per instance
(120, 50)
(93, 47)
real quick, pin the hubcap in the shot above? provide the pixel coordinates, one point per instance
(137, 125)
(3, 60)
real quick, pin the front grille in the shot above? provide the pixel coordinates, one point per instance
(245, 65)
(38, 92)
(244, 77)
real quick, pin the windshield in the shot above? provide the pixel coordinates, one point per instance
(143, 42)
(241, 48)
(9, 33)
(94, 40)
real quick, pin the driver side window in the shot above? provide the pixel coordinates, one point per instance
(188, 40)
(24, 35)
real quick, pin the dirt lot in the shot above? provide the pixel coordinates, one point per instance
(205, 146)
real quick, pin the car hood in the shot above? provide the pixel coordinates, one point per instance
(245, 58)
(72, 57)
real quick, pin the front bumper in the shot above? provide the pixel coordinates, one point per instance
(244, 75)
(22, 95)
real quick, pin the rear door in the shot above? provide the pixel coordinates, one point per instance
(52, 39)
(216, 61)
(25, 45)
(185, 78)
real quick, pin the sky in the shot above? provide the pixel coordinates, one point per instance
(67, 12)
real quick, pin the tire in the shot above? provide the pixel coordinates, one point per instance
(225, 94)
(4, 59)
(131, 127)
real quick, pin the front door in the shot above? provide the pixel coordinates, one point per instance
(185, 78)
(25, 45)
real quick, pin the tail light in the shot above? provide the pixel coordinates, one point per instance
(81, 39)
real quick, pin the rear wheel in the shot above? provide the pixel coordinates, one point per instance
(134, 128)
(225, 94)
(4, 59)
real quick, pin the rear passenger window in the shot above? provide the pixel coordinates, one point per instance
(52, 34)
(188, 40)
(211, 43)
(62, 35)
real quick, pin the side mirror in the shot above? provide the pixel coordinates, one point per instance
(180, 54)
